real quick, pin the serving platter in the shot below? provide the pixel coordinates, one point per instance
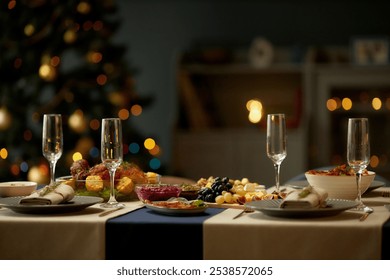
(272, 208)
(78, 203)
(166, 210)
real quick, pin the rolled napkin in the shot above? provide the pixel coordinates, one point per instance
(49, 195)
(308, 197)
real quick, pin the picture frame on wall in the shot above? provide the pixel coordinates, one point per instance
(370, 51)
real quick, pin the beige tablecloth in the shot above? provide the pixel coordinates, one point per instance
(258, 236)
(75, 236)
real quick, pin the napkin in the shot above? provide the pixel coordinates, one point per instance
(49, 195)
(308, 197)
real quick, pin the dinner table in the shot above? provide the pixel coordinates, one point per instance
(138, 232)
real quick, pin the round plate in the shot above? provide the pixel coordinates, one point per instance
(176, 211)
(78, 203)
(272, 208)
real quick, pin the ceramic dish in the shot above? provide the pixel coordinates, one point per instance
(271, 208)
(78, 203)
(17, 188)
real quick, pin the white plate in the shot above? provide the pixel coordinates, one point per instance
(272, 208)
(78, 203)
(176, 211)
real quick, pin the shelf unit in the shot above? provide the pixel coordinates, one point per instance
(214, 136)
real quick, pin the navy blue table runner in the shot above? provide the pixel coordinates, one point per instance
(144, 234)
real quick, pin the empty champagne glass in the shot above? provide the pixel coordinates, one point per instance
(52, 141)
(358, 152)
(276, 143)
(112, 154)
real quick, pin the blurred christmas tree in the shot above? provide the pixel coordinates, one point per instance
(58, 57)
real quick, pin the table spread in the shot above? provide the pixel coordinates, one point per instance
(139, 233)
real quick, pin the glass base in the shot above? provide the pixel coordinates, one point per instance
(114, 204)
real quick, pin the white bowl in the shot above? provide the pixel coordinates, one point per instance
(17, 188)
(341, 187)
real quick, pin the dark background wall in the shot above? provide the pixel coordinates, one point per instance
(157, 30)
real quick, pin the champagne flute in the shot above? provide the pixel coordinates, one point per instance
(276, 143)
(358, 152)
(52, 141)
(112, 155)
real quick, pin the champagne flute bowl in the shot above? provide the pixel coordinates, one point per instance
(52, 141)
(112, 154)
(276, 143)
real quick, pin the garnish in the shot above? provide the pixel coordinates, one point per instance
(305, 192)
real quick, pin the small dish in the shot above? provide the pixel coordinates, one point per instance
(17, 188)
(154, 192)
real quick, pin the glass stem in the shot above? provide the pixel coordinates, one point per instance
(359, 193)
(277, 172)
(52, 172)
(112, 184)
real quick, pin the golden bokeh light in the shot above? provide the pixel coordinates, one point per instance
(346, 103)
(29, 29)
(331, 104)
(149, 143)
(77, 156)
(136, 110)
(376, 103)
(47, 72)
(83, 7)
(123, 114)
(374, 161)
(3, 153)
(70, 36)
(255, 108)
(77, 122)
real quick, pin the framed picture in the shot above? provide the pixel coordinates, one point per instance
(370, 51)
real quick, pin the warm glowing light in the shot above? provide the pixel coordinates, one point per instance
(55, 61)
(136, 110)
(255, 108)
(94, 124)
(374, 161)
(29, 29)
(376, 103)
(47, 72)
(149, 143)
(83, 7)
(94, 57)
(11, 4)
(38, 174)
(254, 104)
(5, 118)
(346, 103)
(98, 25)
(76, 121)
(15, 170)
(101, 79)
(70, 36)
(3, 153)
(155, 151)
(331, 104)
(123, 114)
(87, 25)
(77, 156)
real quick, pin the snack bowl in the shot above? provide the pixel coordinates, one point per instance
(17, 188)
(157, 192)
(340, 186)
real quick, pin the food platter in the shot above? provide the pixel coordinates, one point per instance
(78, 203)
(170, 207)
(272, 208)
